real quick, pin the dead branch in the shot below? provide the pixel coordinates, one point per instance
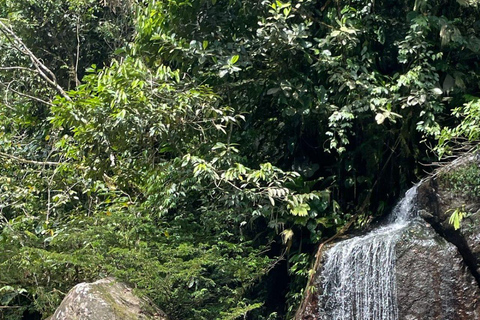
(32, 97)
(44, 72)
(77, 82)
(18, 68)
(21, 160)
(48, 103)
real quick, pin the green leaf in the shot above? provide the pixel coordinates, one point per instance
(456, 218)
(234, 59)
(300, 209)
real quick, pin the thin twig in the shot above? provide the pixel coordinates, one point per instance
(18, 68)
(32, 97)
(21, 160)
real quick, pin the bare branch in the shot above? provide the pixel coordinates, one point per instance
(77, 82)
(48, 103)
(18, 68)
(6, 97)
(42, 70)
(21, 160)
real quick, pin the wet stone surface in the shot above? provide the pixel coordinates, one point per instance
(432, 280)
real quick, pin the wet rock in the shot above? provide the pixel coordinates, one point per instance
(437, 200)
(432, 280)
(437, 268)
(105, 299)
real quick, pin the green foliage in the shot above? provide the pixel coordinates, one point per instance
(197, 145)
(158, 261)
(70, 35)
(148, 188)
(468, 128)
(463, 181)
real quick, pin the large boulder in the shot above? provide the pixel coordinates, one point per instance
(105, 299)
(432, 280)
(455, 187)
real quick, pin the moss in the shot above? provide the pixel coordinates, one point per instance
(121, 311)
(463, 181)
(113, 293)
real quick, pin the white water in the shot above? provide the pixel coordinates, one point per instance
(358, 278)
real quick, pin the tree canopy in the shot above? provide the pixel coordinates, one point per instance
(200, 150)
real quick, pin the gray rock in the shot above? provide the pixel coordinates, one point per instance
(437, 201)
(432, 280)
(105, 299)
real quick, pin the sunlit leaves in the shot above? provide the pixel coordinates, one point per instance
(267, 183)
(467, 129)
(456, 217)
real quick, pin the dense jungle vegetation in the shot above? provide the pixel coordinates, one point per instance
(200, 150)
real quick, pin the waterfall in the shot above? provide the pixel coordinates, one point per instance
(358, 279)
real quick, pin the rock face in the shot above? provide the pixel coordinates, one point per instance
(105, 299)
(437, 268)
(439, 197)
(432, 280)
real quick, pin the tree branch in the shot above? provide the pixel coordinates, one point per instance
(44, 72)
(21, 160)
(18, 68)
(48, 103)
(77, 82)
(32, 97)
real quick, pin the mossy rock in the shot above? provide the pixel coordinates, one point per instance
(106, 299)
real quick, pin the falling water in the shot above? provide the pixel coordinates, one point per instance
(358, 281)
